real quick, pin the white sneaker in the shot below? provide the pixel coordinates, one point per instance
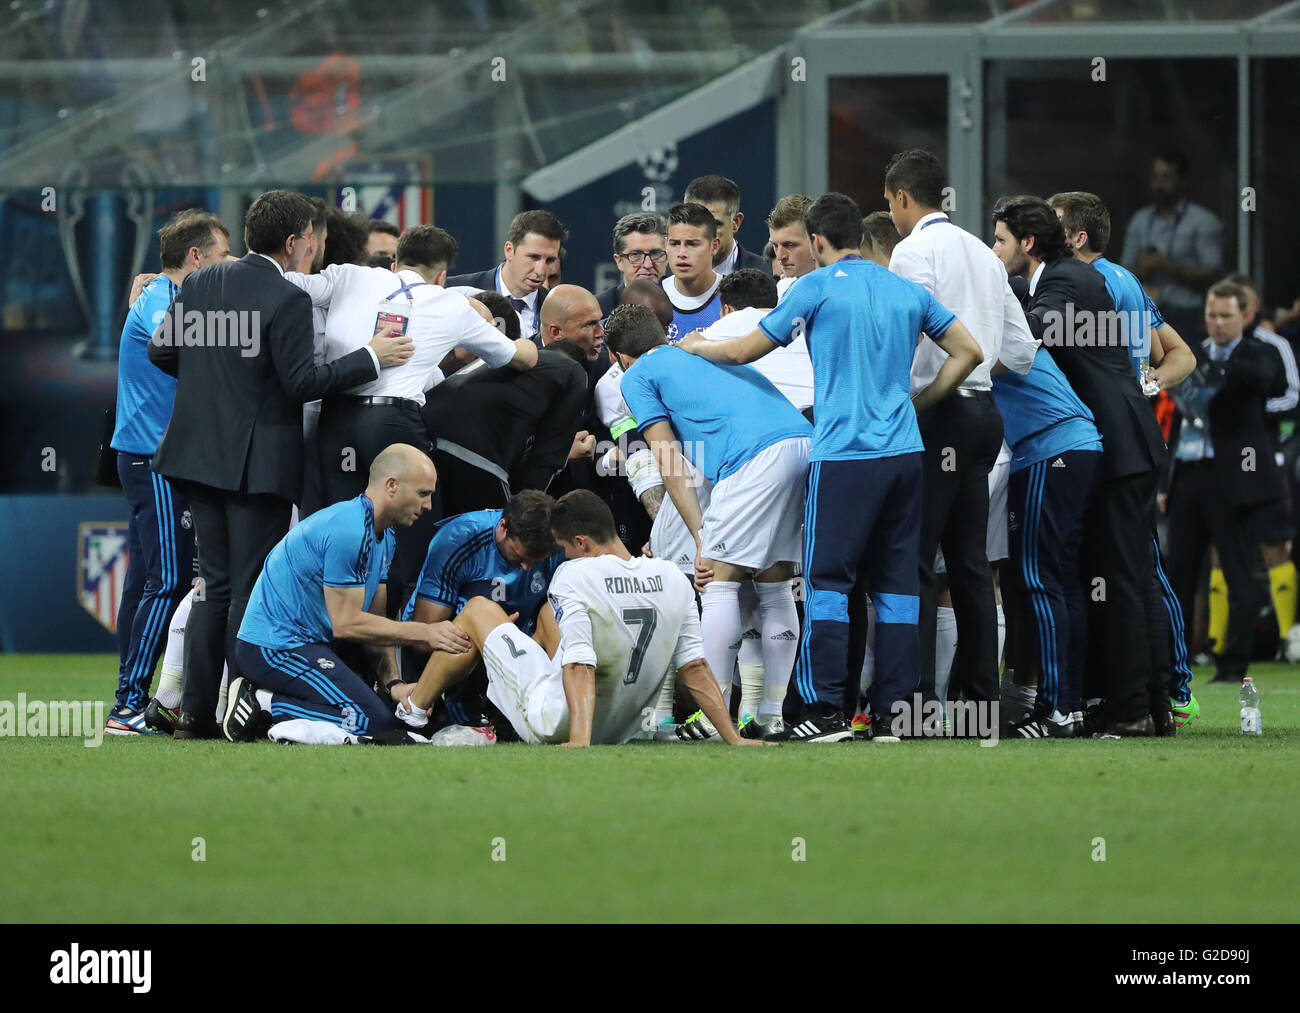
(413, 717)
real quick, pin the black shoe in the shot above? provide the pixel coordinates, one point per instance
(192, 726)
(246, 720)
(825, 726)
(1162, 717)
(1041, 728)
(1143, 727)
(160, 718)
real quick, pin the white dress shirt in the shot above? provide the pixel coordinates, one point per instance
(439, 320)
(530, 320)
(966, 277)
(788, 368)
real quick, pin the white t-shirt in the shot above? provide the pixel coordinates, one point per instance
(788, 367)
(438, 321)
(635, 621)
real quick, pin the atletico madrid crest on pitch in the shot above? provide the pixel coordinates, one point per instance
(102, 558)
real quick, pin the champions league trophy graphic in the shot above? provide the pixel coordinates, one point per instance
(101, 307)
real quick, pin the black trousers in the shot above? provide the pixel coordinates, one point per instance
(962, 438)
(351, 434)
(1117, 568)
(235, 531)
(1198, 516)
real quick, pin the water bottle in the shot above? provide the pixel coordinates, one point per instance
(1251, 722)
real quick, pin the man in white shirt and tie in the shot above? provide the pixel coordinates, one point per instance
(963, 433)
(532, 251)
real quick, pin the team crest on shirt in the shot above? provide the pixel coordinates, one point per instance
(325, 664)
(538, 584)
(187, 521)
(103, 553)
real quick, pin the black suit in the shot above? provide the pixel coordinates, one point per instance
(1117, 552)
(609, 299)
(1216, 499)
(753, 260)
(234, 442)
(486, 281)
(519, 424)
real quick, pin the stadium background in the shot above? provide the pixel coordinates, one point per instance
(113, 116)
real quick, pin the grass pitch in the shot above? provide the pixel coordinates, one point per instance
(1201, 828)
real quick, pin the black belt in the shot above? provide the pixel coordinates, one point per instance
(386, 402)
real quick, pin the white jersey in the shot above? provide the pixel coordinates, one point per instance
(788, 367)
(635, 621)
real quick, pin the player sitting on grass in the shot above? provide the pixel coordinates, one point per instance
(614, 629)
(322, 583)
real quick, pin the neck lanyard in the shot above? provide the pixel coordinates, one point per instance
(935, 221)
(404, 290)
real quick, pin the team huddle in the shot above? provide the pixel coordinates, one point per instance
(743, 494)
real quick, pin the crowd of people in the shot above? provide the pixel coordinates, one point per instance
(781, 497)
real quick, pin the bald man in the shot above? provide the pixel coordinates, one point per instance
(572, 312)
(322, 584)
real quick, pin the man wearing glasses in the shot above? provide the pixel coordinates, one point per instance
(640, 251)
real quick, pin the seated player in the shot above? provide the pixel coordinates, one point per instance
(752, 444)
(321, 584)
(614, 630)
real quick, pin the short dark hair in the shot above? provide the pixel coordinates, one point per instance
(274, 217)
(788, 210)
(426, 246)
(528, 518)
(374, 225)
(582, 512)
(345, 239)
(1032, 216)
(708, 189)
(644, 292)
(1083, 212)
(506, 320)
(1172, 156)
(1229, 290)
(748, 288)
(689, 213)
(569, 347)
(879, 230)
(185, 230)
(837, 218)
(919, 173)
(543, 223)
(319, 212)
(633, 330)
(647, 223)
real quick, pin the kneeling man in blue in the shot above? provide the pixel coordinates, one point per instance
(321, 584)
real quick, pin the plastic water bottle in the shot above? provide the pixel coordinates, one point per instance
(1251, 721)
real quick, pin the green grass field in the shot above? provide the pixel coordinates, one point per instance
(1203, 827)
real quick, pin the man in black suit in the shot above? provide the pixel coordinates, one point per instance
(722, 197)
(532, 250)
(1224, 468)
(238, 339)
(1068, 308)
(640, 252)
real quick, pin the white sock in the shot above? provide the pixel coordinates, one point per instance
(869, 658)
(780, 628)
(223, 694)
(720, 626)
(750, 664)
(310, 733)
(1002, 633)
(263, 698)
(945, 649)
(664, 708)
(169, 688)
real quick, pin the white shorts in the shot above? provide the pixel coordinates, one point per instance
(995, 539)
(526, 685)
(670, 538)
(755, 515)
